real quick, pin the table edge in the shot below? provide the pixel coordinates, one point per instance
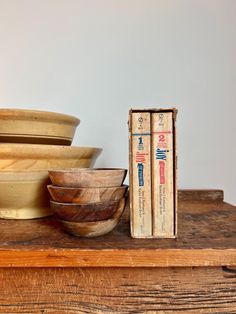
(118, 258)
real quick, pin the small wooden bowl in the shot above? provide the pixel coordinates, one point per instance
(94, 228)
(86, 212)
(83, 177)
(86, 195)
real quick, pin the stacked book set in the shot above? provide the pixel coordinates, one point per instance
(153, 194)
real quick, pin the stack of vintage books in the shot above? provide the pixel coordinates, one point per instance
(153, 192)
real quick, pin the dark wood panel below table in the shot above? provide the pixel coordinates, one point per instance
(199, 290)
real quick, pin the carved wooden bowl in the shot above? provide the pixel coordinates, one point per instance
(95, 228)
(86, 195)
(38, 127)
(85, 212)
(97, 177)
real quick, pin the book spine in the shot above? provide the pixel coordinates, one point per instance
(141, 207)
(163, 196)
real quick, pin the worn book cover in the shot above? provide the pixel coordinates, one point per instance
(163, 186)
(140, 174)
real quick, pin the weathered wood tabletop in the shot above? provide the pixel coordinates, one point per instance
(45, 270)
(206, 237)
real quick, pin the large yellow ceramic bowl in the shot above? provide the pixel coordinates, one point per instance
(23, 195)
(24, 175)
(34, 126)
(43, 157)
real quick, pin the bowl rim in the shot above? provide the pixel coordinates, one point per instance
(57, 187)
(105, 203)
(31, 114)
(31, 151)
(87, 170)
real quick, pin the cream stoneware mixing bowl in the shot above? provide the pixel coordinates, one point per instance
(43, 157)
(23, 195)
(38, 127)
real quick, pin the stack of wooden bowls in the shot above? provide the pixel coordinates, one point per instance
(88, 202)
(31, 142)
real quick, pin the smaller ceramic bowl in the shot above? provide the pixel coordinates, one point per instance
(86, 195)
(95, 228)
(36, 127)
(86, 212)
(24, 195)
(84, 177)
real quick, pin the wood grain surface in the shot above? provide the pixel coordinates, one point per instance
(117, 290)
(85, 212)
(207, 237)
(200, 195)
(88, 178)
(95, 228)
(86, 195)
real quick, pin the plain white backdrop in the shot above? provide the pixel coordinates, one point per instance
(95, 59)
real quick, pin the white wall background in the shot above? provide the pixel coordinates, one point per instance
(97, 58)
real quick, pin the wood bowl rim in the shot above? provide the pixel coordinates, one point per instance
(86, 170)
(72, 188)
(105, 203)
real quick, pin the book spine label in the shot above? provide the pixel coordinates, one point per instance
(163, 175)
(141, 211)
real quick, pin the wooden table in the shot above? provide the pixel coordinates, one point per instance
(44, 270)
